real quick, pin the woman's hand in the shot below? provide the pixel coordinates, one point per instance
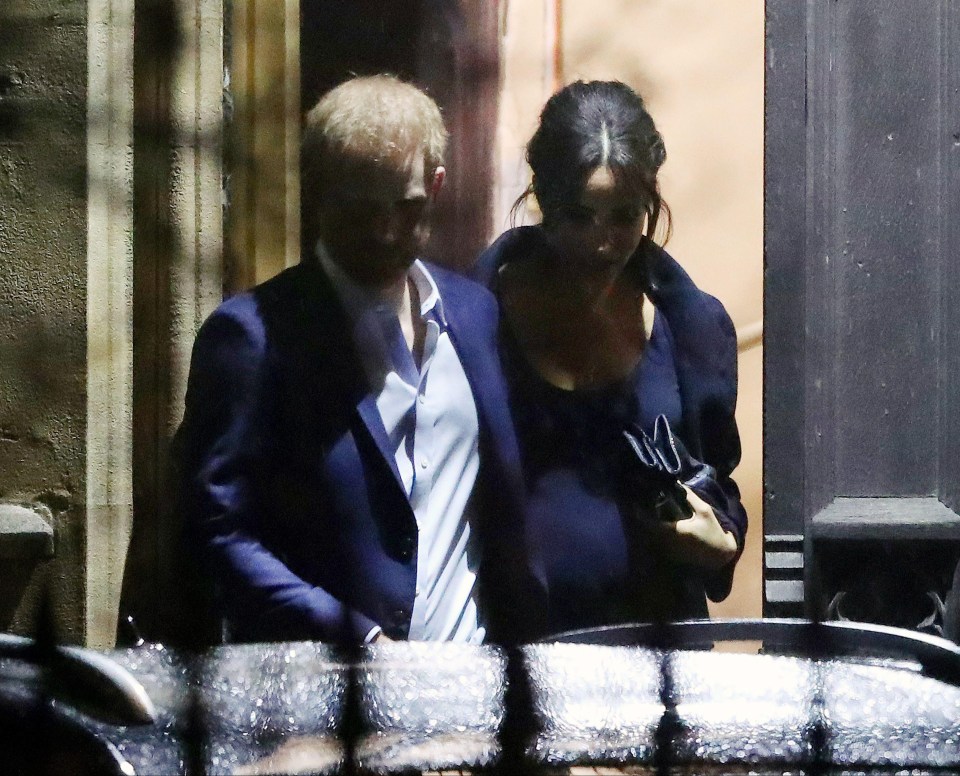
(698, 540)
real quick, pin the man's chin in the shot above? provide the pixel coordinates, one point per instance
(376, 270)
(387, 272)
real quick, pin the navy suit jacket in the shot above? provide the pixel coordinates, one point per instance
(291, 495)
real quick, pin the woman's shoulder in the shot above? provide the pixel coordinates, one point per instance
(692, 313)
(513, 245)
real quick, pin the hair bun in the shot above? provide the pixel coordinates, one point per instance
(593, 124)
(658, 151)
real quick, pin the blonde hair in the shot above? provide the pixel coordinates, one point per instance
(369, 120)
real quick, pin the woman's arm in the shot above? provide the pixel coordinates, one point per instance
(703, 342)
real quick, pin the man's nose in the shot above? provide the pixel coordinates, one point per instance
(386, 226)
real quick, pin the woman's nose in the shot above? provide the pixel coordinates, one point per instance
(605, 237)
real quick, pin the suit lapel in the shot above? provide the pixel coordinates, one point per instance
(370, 415)
(480, 362)
(328, 328)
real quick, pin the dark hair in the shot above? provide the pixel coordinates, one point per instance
(594, 124)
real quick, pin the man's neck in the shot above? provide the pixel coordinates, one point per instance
(396, 296)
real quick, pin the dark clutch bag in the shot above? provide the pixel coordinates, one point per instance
(655, 468)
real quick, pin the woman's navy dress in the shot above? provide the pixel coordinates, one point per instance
(600, 566)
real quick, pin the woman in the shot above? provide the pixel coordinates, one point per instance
(601, 332)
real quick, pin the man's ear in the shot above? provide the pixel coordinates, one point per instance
(438, 177)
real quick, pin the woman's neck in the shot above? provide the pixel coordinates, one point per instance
(586, 294)
(573, 335)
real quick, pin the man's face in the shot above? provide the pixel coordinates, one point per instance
(375, 219)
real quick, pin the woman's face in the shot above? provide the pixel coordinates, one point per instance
(597, 235)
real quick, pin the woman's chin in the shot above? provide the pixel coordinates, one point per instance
(596, 270)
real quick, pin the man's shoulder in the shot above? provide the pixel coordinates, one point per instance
(458, 289)
(279, 294)
(470, 309)
(257, 312)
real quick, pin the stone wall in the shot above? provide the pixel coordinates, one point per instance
(43, 237)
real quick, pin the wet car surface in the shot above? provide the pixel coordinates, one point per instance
(282, 708)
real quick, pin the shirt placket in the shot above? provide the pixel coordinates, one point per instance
(424, 421)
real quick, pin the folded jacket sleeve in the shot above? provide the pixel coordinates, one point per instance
(226, 442)
(720, 438)
(724, 496)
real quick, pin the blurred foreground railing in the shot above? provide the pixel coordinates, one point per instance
(828, 698)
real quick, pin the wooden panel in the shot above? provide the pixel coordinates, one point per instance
(862, 294)
(875, 282)
(784, 308)
(784, 258)
(885, 86)
(263, 224)
(949, 227)
(886, 518)
(819, 321)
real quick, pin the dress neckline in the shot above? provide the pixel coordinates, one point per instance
(611, 387)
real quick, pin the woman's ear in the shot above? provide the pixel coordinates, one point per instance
(438, 177)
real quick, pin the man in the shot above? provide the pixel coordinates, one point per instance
(350, 470)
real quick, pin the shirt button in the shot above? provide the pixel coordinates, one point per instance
(421, 398)
(417, 592)
(423, 463)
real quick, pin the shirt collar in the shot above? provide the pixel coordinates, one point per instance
(431, 305)
(358, 299)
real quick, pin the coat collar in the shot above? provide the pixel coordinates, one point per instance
(670, 288)
(472, 329)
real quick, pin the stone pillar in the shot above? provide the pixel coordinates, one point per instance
(176, 281)
(109, 309)
(110, 256)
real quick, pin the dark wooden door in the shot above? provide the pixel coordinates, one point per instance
(862, 308)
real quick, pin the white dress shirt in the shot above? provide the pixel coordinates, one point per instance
(431, 420)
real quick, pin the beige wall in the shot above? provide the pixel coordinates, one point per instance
(699, 66)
